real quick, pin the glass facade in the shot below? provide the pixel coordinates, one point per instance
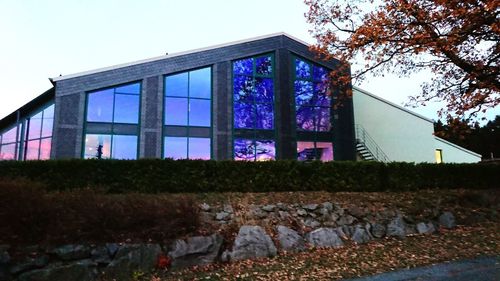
(253, 108)
(313, 107)
(112, 123)
(9, 143)
(188, 115)
(39, 135)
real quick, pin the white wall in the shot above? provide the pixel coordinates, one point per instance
(401, 134)
(452, 153)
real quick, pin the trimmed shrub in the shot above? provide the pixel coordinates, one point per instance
(155, 176)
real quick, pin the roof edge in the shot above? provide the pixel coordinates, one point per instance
(393, 104)
(97, 70)
(458, 147)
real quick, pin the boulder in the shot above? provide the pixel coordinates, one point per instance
(425, 228)
(282, 206)
(378, 230)
(447, 220)
(71, 252)
(269, 208)
(356, 211)
(361, 235)
(82, 271)
(199, 250)
(324, 237)
(112, 249)
(252, 242)
(132, 258)
(341, 233)
(29, 263)
(312, 223)
(396, 227)
(290, 240)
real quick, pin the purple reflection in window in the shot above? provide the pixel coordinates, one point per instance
(243, 89)
(9, 136)
(305, 116)
(48, 121)
(129, 89)
(32, 150)
(199, 113)
(265, 150)
(319, 73)
(323, 117)
(302, 69)
(263, 90)
(35, 128)
(244, 66)
(100, 106)
(306, 151)
(264, 116)
(176, 111)
(124, 147)
(325, 151)
(176, 85)
(244, 115)
(45, 146)
(303, 92)
(199, 148)
(263, 66)
(92, 144)
(126, 109)
(321, 97)
(175, 147)
(244, 150)
(8, 152)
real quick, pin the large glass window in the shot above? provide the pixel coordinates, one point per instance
(188, 115)
(38, 141)
(102, 146)
(9, 143)
(309, 150)
(253, 108)
(115, 105)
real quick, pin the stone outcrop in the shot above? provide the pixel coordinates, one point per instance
(199, 250)
(252, 242)
(324, 237)
(290, 240)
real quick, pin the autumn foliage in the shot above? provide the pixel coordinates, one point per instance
(458, 40)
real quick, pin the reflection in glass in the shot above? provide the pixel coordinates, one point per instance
(175, 147)
(263, 90)
(249, 150)
(303, 92)
(32, 150)
(48, 121)
(126, 109)
(264, 116)
(263, 66)
(45, 146)
(200, 83)
(124, 147)
(176, 111)
(8, 151)
(10, 135)
(244, 115)
(243, 89)
(302, 69)
(325, 151)
(320, 73)
(100, 106)
(199, 148)
(97, 146)
(177, 85)
(265, 150)
(129, 89)
(243, 67)
(35, 126)
(308, 151)
(199, 112)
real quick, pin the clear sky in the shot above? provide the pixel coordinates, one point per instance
(42, 39)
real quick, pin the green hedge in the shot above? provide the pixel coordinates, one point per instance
(151, 176)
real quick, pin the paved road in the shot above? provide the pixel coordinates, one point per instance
(480, 269)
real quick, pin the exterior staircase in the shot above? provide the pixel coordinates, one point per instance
(367, 148)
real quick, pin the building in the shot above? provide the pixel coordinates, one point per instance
(257, 99)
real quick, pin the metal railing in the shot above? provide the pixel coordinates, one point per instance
(364, 138)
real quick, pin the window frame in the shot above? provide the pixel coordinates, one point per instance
(25, 139)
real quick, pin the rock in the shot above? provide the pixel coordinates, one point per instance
(112, 249)
(282, 207)
(356, 211)
(252, 242)
(410, 229)
(100, 255)
(72, 252)
(29, 263)
(205, 207)
(324, 237)
(258, 213)
(199, 250)
(228, 208)
(361, 235)
(324, 212)
(396, 227)
(348, 229)
(347, 219)
(312, 223)
(290, 240)
(328, 206)
(269, 208)
(81, 271)
(301, 212)
(447, 220)
(340, 233)
(283, 215)
(425, 228)
(310, 207)
(225, 256)
(222, 216)
(132, 258)
(378, 230)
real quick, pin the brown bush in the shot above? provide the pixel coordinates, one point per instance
(30, 215)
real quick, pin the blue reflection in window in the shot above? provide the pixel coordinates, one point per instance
(199, 148)
(129, 89)
(263, 90)
(199, 112)
(244, 66)
(263, 66)
(244, 115)
(100, 106)
(305, 116)
(265, 150)
(323, 117)
(124, 147)
(243, 89)
(302, 69)
(303, 92)
(176, 111)
(264, 116)
(319, 73)
(320, 94)
(48, 121)
(200, 83)
(126, 109)
(175, 147)
(177, 85)
(244, 149)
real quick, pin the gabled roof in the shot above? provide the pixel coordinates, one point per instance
(64, 77)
